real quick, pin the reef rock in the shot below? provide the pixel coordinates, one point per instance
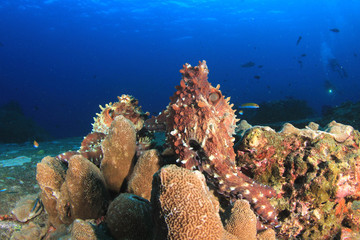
(130, 217)
(50, 175)
(118, 148)
(316, 173)
(83, 194)
(29, 232)
(140, 182)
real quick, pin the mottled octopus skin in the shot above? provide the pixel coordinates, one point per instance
(90, 149)
(199, 124)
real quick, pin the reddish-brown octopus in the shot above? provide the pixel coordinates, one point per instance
(199, 124)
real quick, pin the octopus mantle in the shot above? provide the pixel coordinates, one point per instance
(199, 124)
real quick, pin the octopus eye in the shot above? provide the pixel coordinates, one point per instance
(214, 97)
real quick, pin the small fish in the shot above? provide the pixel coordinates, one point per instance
(241, 112)
(335, 30)
(248, 64)
(36, 144)
(37, 202)
(249, 105)
(257, 77)
(303, 55)
(298, 41)
(260, 66)
(3, 190)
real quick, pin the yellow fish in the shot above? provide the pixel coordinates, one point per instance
(36, 144)
(249, 105)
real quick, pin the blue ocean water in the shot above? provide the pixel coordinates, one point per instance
(60, 59)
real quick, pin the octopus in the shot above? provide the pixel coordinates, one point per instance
(200, 123)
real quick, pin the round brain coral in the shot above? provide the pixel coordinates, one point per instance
(184, 203)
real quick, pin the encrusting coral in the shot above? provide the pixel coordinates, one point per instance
(119, 148)
(140, 181)
(130, 217)
(317, 174)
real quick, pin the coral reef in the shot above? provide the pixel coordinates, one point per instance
(130, 217)
(306, 182)
(316, 172)
(118, 148)
(199, 124)
(140, 181)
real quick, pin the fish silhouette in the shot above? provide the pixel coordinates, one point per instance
(335, 30)
(248, 64)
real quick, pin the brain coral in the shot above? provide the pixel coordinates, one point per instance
(141, 178)
(119, 148)
(242, 221)
(83, 194)
(183, 206)
(130, 217)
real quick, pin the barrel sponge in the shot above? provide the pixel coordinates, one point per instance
(119, 148)
(83, 194)
(242, 221)
(183, 206)
(50, 175)
(130, 217)
(140, 182)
